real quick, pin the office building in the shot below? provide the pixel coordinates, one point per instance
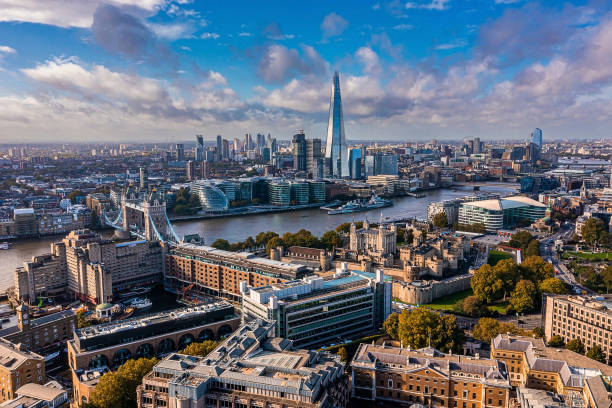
(335, 147)
(17, 368)
(501, 213)
(248, 141)
(316, 190)
(392, 376)
(314, 311)
(218, 272)
(112, 344)
(190, 170)
(219, 147)
(261, 140)
(579, 317)
(212, 198)
(225, 149)
(314, 162)
(532, 364)
(251, 368)
(298, 147)
(180, 152)
(42, 334)
(536, 137)
(33, 395)
(25, 221)
(355, 163)
(279, 193)
(199, 149)
(299, 191)
(44, 276)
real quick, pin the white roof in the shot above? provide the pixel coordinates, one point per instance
(508, 202)
(23, 211)
(526, 200)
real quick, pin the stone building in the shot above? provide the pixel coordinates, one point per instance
(17, 368)
(437, 257)
(392, 376)
(313, 257)
(376, 242)
(44, 276)
(251, 368)
(419, 292)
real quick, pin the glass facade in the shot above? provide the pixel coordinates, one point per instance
(335, 149)
(355, 163)
(536, 137)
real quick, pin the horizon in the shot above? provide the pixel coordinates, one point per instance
(120, 71)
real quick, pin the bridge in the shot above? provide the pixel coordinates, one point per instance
(142, 215)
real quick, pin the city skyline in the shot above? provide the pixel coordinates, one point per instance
(165, 70)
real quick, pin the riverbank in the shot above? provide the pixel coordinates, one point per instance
(260, 210)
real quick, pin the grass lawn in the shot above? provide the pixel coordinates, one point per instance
(447, 302)
(499, 307)
(496, 256)
(599, 256)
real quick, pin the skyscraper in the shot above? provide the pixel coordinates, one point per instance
(299, 151)
(219, 147)
(314, 164)
(536, 137)
(144, 178)
(355, 162)
(180, 152)
(335, 149)
(199, 152)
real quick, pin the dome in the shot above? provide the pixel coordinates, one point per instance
(104, 306)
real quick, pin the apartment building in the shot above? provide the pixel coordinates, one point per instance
(318, 310)
(44, 276)
(579, 317)
(251, 368)
(393, 376)
(17, 368)
(219, 273)
(32, 395)
(532, 364)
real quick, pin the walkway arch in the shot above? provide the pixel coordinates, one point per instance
(206, 334)
(185, 340)
(165, 346)
(100, 360)
(145, 351)
(121, 356)
(224, 331)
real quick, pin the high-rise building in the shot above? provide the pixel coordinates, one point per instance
(261, 140)
(536, 137)
(225, 149)
(180, 152)
(298, 145)
(314, 163)
(199, 151)
(248, 141)
(355, 163)
(477, 149)
(335, 149)
(191, 170)
(144, 178)
(219, 147)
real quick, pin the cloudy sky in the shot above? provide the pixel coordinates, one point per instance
(164, 70)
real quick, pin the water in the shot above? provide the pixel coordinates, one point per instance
(238, 228)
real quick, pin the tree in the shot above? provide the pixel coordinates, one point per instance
(440, 220)
(520, 240)
(592, 230)
(488, 328)
(118, 389)
(273, 243)
(421, 327)
(533, 248)
(331, 239)
(556, 341)
(554, 286)
(200, 349)
(524, 297)
(536, 269)
(538, 332)
(409, 236)
(222, 244)
(487, 285)
(597, 354)
(472, 306)
(509, 272)
(343, 353)
(390, 325)
(575, 345)
(72, 196)
(82, 320)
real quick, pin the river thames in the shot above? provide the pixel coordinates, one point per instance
(238, 228)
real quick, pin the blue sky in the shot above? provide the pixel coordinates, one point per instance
(162, 70)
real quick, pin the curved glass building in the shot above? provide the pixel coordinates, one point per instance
(211, 197)
(335, 148)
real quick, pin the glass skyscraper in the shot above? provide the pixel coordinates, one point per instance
(355, 162)
(536, 137)
(335, 149)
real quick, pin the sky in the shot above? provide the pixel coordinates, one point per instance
(165, 70)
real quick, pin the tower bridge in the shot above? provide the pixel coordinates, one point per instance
(142, 215)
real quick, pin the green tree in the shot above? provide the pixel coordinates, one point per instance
(249, 242)
(222, 244)
(597, 354)
(420, 327)
(533, 248)
(524, 296)
(556, 341)
(118, 389)
(594, 231)
(331, 239)
(509, 272)
(538, 332)
(488, 328)
(200, 349)
(273, 243)
(487, 284)
(554, 286)
(520, 240)
(472, 306)
(82, 320)
(440, 220)
(72, 196)
(344, 355)
(263, 237)
(575, 345)
(536, 269)
(390, 325)
(409, 236)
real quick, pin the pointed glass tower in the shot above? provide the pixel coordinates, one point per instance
(336, 153)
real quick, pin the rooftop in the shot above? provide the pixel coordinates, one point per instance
(12, 355)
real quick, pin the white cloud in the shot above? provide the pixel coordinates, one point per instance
(369, 59)
(208, 36)
(333, 25)
(458, 43)
(64, 13)
(172, 31)
(244, 34)
(403, 27)
(5, 49)
(432, 5)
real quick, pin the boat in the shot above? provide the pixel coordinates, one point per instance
(4, 245)
(357, 205)
(140, 303)
(134, 292)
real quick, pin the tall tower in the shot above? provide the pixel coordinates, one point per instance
(536, 137)
(299, 151)
(335, 149)
(199, 152)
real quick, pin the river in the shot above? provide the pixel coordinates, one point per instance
(238, 228)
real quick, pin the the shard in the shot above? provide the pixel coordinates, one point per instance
(336, 153)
